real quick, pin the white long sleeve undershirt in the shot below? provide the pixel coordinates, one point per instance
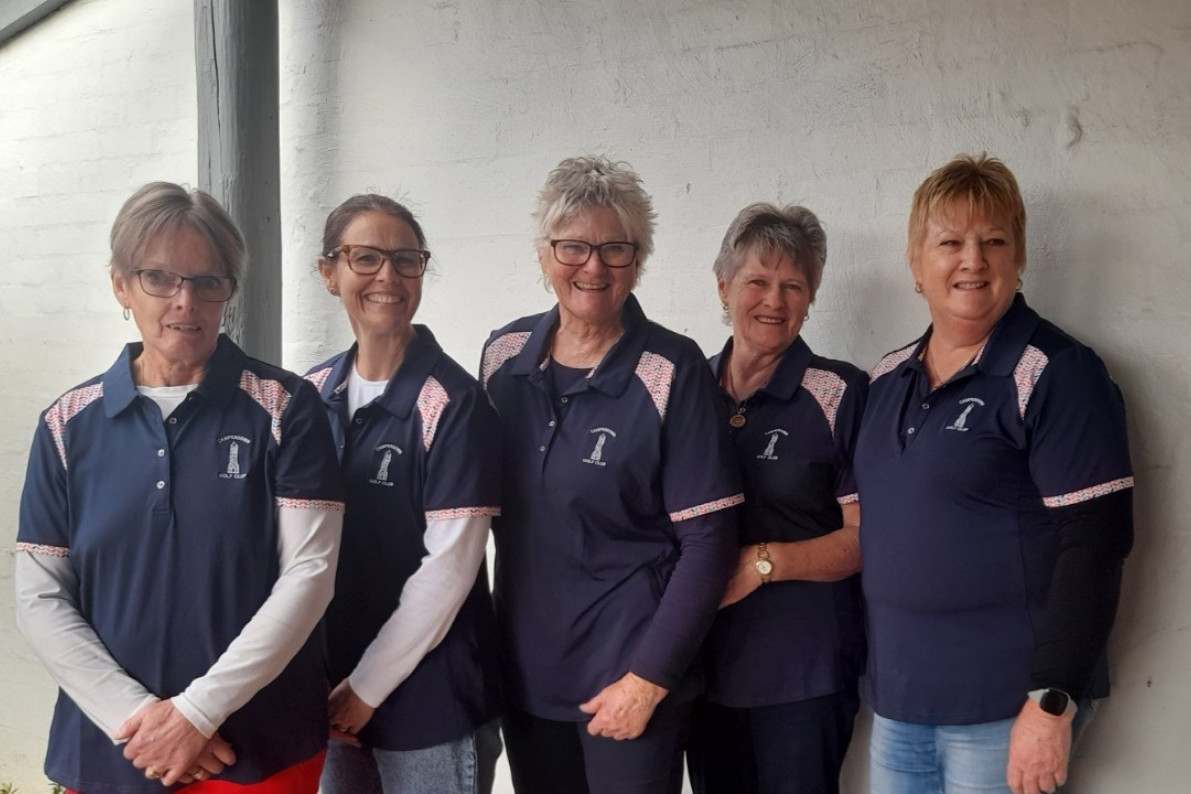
(430, 600)
(47, 613)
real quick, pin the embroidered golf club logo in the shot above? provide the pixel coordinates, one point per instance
(386, 452)
(961, 421)
(774, 435)
(597, 453)
(233, 469)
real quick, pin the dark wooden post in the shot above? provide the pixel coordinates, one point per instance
(238, 150)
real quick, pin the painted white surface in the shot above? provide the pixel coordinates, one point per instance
(462, 107)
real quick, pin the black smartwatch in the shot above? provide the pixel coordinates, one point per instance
(1053, 701)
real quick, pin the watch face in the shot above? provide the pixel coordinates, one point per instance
(764, 567)
(1054, 702)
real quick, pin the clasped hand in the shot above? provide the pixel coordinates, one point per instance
(165, 744)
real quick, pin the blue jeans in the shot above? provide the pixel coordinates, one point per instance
(938, 759)
(462, 766)
(947, 759)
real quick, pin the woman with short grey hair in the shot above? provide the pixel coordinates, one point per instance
(785, 652)
(616, 531)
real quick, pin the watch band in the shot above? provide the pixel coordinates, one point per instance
(763, 564)
(1053, 701)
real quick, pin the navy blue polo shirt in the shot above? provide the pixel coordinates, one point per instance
(958, 544)
(427, 448)
(171, 526)
(792, 640)
(596, 480)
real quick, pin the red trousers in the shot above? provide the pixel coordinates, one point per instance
(301, 778)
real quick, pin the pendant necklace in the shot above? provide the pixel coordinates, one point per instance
(736, 420)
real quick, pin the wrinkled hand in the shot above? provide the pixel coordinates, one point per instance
(349, 714)
(1039, 749)
(162, 742)
(623, 708)
(745, 578)
(217, 756)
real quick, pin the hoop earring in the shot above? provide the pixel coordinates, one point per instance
(1019, 284)
(918, 287)
(126, 314)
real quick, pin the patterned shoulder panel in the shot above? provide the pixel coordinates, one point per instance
(1026, 374)
(501, 350)
(319, 377)
(268, 394)
(828, 390)
(892, 361)
(67, 407)
(657, 374)
(432, 401)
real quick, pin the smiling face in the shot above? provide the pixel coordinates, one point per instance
(384, 303)
(592, 293)
(179, 333)
(968, 267)
(768, 298)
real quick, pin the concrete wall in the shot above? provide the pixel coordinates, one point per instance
(844, 105)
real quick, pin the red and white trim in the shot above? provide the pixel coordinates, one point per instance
(268, 394)
(319, 379)
(309, 504)
(462, 512)
(43, 550)
(828, 390)
(432, 401)
(891, 362)
(1087, 494)
(707, 507)
(66, 408)
(501, 350)
(1026, 374)
(657, 374)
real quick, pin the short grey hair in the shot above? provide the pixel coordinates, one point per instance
(763, 228)
(163, 208)
(579, 183)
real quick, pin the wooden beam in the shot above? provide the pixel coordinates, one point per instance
(18, 15)
(236, 56)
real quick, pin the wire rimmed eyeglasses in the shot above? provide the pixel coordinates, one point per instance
(166, 284)
(575, 253)
(367, 260)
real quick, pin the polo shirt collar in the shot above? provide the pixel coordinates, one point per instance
(1009, 339)
(1004, 347)
(401, 394)
(221, 376)
(787, 375)
(614, 371)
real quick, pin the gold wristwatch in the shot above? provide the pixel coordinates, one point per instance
(763, 564)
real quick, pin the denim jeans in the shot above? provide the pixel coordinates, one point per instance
(938, 759)
(947, 759)
(462, 766)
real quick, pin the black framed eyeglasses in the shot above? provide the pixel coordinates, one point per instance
(575, 253)
(366, 260)
(165, 284)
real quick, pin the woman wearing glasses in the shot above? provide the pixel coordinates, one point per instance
(616, 535)
(178, 534)
(411, 632)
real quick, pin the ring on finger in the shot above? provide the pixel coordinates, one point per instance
(152, 773)
(200, 774)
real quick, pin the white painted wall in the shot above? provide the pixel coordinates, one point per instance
(844, 105)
